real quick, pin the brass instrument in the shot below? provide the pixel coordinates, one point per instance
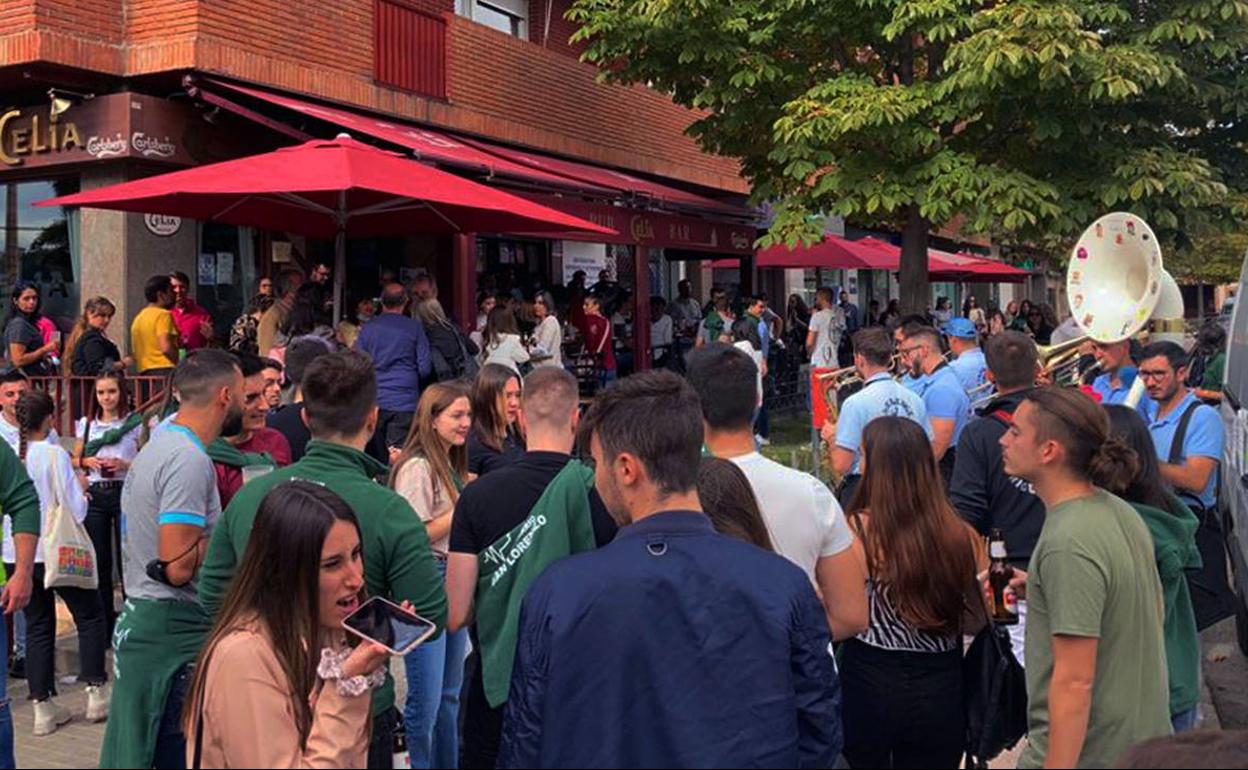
(830, 384)
(1116, 285)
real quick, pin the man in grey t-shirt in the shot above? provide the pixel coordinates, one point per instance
(169, 505)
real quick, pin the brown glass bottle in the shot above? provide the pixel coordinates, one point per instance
(1004, 602)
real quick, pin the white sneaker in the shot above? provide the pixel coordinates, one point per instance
(97, 703)
(49, 715)
(762, 441)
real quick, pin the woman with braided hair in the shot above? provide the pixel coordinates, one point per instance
(52, 471)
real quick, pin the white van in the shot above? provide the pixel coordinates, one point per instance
(1235, 456)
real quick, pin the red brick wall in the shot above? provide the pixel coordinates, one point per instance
(561, 30)
(499, 87)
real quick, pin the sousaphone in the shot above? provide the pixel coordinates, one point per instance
(1116, 283)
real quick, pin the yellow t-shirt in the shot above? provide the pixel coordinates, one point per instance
(149, 326)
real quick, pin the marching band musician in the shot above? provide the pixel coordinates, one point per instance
(881, 396)
(969, 366)
(947, 405)
(1118, 372)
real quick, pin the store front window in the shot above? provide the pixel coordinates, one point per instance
(41, 245)
(226, 279)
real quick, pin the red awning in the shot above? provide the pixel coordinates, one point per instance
(832, 253)
(325, 188)
(609, 178)
(946, 266)
(426, 143)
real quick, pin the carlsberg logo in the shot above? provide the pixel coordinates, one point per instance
(150, 146)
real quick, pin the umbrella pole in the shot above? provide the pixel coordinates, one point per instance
(340, 259)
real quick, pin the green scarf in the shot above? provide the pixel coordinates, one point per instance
(225, 453)
(113, 436)
(558, 526)
(714, 325)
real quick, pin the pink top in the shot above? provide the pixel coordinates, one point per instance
(190, 321)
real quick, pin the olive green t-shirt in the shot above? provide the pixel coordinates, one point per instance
(1093, 575)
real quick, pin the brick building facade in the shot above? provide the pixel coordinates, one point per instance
(497, 74)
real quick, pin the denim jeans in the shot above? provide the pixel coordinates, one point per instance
(7, 760)
(170, 738)
(19, 633)
(1186, 721)
(435, 676)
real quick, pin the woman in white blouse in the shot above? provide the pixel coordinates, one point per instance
(429, 474)
(548, 336)
(52, 471)
(502, 341)
(108, 441)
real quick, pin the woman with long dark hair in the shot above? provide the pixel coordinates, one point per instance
(52, 471)
(728, 499)
(502, 340)
(276, 684)
(796, 323)
(430, 473)
(496, 439)
(108, 442)
(919, 560)
(549, 334)
(1173, 527)
(25, 347)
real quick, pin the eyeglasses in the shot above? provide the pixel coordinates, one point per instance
(912, 349)
(1153, 375)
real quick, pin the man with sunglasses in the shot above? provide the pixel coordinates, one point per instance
(947, 405)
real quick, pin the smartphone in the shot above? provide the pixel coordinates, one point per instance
(389, 625)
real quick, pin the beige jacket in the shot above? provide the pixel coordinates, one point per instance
(248, 720)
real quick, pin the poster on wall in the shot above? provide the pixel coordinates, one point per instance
(225, 268)
(207, 269)
(588, 257)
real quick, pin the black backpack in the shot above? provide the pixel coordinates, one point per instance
(461, 365)
(994, 689)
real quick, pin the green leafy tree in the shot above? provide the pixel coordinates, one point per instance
(1020, 119)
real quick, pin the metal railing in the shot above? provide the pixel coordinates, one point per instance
(73, 397)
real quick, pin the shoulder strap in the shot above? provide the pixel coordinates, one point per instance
(603, 342)
(1003, 417)
(1180, 435)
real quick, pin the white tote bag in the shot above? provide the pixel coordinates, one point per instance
(68, 555)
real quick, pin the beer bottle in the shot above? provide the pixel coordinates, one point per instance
(1004, 602)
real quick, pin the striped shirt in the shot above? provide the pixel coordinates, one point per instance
(888, 631)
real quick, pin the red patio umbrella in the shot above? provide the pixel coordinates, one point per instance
(335, 189)
(832, 253)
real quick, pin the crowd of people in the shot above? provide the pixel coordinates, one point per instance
(617, 577)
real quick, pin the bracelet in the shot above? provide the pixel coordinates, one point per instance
(330, 668)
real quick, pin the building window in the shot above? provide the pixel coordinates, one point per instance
(509, 16)
(40, 244)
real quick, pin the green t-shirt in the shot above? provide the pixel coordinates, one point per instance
(1215, 373)
(1093, 574)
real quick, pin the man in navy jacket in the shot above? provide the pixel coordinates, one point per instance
(673, 646)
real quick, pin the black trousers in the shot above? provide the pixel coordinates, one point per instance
(84, 606)
(902, 709)
(381, 744)
(483, 726)
(392, 430)
(103, 525)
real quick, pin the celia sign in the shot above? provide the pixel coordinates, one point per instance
(23, 135)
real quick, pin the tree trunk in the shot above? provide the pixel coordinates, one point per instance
(915, 288)
(1200, 301)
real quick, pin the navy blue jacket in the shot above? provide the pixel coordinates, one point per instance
(400, 352)
(985, 495)
(673, 646)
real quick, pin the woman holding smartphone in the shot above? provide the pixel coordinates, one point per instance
(430, 473)
(276, 684)
(108, 441)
